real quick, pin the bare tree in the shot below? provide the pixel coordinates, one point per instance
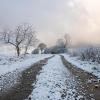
(31, 39)
(60, 43)
(67, 40)
(22, 36)
(5, 35)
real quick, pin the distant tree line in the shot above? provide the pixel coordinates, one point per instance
(61, 46)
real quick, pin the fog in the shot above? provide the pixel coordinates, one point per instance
(53, 18)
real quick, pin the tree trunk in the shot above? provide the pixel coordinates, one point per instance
(18, 50)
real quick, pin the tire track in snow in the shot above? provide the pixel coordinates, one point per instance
(83, 87)
(55, 82)
(22, 90)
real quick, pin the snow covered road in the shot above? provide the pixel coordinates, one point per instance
(22, 87)
(53, 78)
(10, 73)
(55, 82)
(51, 81)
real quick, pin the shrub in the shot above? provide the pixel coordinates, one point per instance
(88, 53)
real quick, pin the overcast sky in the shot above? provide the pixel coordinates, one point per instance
(53, 18)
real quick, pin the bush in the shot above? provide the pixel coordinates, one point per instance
(88, 54)
(35, 51)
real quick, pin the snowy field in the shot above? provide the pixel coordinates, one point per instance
(12, 66)
(87, 66)
(9, 50)
(9, 64)
(55, 82)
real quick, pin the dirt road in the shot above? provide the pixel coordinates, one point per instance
(54, 78)
(24, 87)
(59, 80)
(87, 84)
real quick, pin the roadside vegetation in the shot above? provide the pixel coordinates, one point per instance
(90, 53)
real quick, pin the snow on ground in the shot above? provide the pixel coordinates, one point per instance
(9, 64)
(9, 80)
(88, 66)
(11, 68)
(7, 50)
(54, 82)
